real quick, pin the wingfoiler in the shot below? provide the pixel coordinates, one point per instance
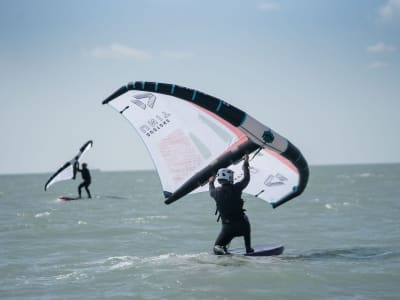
(68, 170)
(190, 135)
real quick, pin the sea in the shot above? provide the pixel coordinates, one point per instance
(341, 239)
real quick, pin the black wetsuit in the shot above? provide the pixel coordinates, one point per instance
(228, 198)
(86, 181)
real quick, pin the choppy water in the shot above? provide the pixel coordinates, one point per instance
(341, 237)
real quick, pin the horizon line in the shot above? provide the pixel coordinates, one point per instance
(154, 169)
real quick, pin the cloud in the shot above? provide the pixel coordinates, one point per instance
(380, 48)
(390, 9)
(377, 65)
(268, 6)
(176, 55)
(119, 51)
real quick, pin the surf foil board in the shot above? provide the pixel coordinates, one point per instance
(67, 198)
(260, 250)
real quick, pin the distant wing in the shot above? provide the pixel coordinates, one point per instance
(68, 170)
(88, 145)
(190, 135)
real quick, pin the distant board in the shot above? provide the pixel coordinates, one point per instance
(260, 250)
(66, 198)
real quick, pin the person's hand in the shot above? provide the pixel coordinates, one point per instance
(245, 161)
(211, 179)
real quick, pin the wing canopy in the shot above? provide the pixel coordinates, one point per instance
(190, 135)
(68, 170)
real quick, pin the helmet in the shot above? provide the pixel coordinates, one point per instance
(225, 175)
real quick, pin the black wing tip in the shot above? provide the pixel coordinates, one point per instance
(84, 146)
(167, 196)
(89, 142)
(117, 93)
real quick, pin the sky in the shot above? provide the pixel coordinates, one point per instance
(324, 74)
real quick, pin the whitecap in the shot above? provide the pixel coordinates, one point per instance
(145, 220)
(122, 265)
(365, 175)
(73, 275)
(157, 217)
(172, 258)
(121, 262)
(138, 220)
(42, 215)
(344, 176)
(65, 276)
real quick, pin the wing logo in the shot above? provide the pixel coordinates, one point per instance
(139, 98)
(275, 180)
(268, 136)
(155, 124)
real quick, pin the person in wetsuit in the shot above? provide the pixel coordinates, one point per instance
(86, 179)
(228, 198)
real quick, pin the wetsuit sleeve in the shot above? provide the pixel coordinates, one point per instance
(246, 178)
(75, 170)
(211, 188)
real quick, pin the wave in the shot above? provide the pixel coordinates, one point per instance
(42, 215)
(358, 253)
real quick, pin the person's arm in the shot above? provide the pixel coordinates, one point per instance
(211, 186)
(246, 173)
(77, 166)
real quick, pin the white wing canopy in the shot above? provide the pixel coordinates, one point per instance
(190, 135)
(271, 178)
(68, 170)
(182, 138)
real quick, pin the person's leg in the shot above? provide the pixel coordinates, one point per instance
(247, 235)
(87, 190)
(80, 189)
(223, 239)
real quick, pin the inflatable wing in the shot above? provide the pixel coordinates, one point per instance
(68, 170)
(190, 135)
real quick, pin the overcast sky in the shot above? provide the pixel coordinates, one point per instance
(324, 74)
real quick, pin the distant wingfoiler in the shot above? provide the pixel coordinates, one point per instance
(68, 170)
(190, 135)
